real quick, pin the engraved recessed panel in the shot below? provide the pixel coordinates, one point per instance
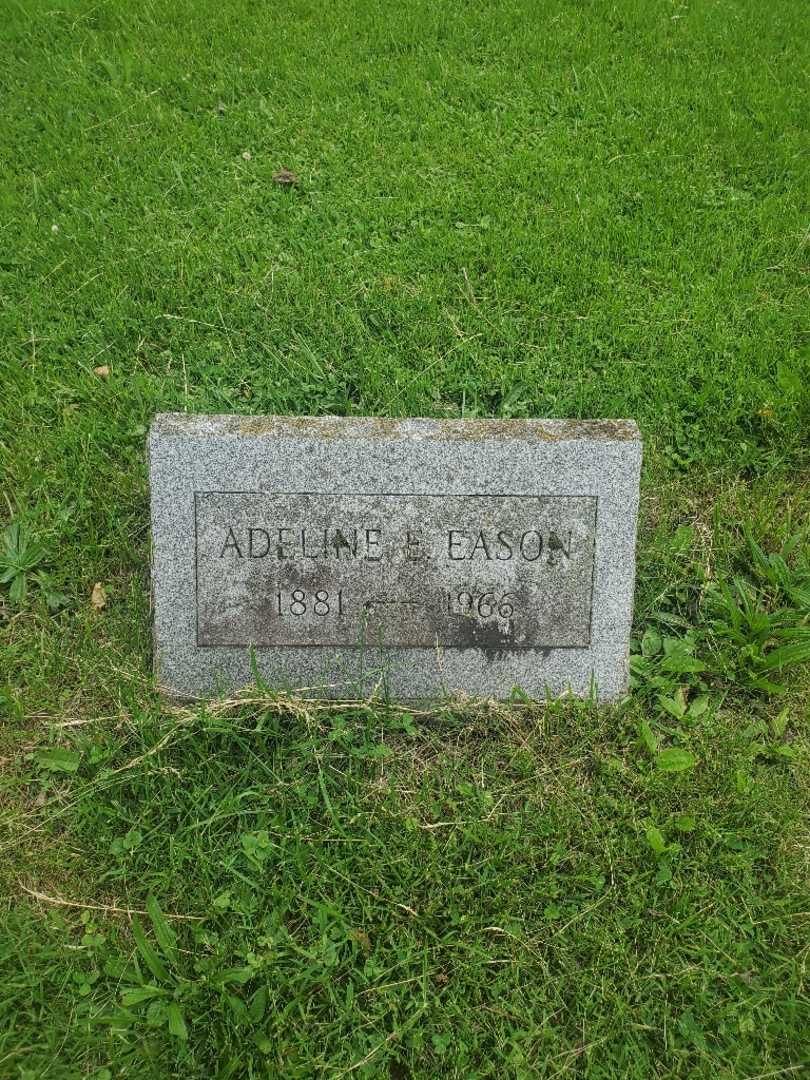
(394, 570)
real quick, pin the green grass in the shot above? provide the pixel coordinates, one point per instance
(504, 209)
(472, 895)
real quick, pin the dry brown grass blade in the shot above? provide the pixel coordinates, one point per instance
(111, 909)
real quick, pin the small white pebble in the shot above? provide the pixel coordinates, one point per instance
(246, 154)
(54, 228)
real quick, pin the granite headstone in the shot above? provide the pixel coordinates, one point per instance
(414, 558)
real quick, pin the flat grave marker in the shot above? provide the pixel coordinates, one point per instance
(420, 558)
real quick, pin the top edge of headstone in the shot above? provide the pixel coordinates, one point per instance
(377, 427)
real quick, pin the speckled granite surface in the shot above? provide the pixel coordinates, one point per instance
(419, 558)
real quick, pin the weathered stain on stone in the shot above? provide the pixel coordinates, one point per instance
(378, 427)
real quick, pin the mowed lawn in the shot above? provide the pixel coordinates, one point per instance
(502, 209)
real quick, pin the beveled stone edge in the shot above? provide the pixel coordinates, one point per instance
(379, 427)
